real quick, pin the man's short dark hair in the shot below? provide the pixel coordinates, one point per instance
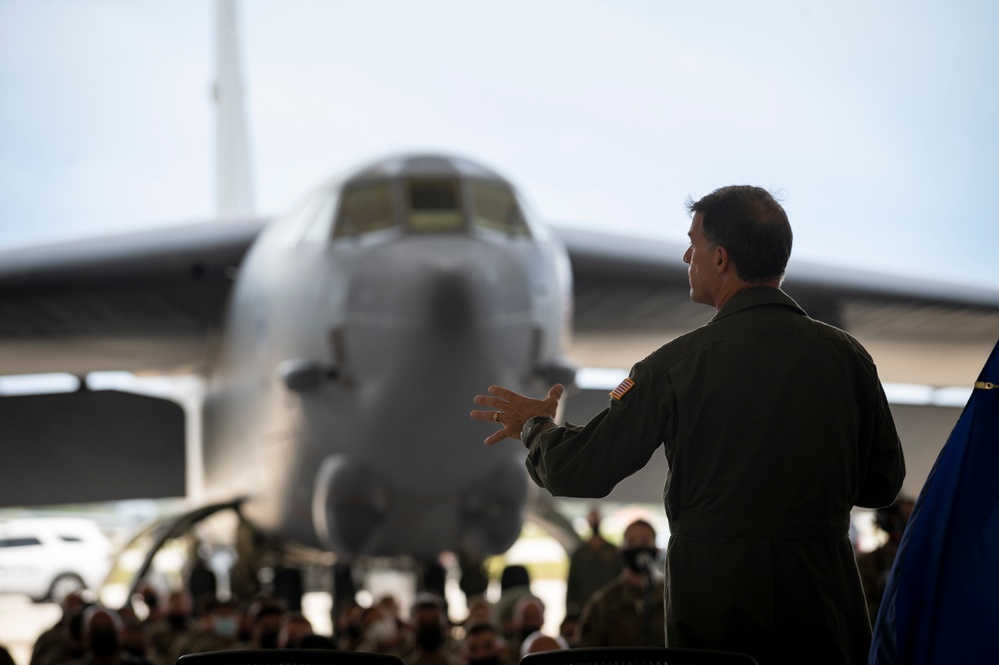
(751, 225)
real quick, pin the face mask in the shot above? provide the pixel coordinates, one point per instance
(103, 643)
(429, 637)
(632, 558)
(177, 621)
(269, 641)
(382, 631)
(226, 626)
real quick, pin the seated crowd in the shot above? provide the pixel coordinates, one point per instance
(89, 634)
(622, 605)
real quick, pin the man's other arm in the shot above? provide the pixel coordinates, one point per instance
(589, 461)
(882, 479)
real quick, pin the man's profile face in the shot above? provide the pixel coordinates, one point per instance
(700, 264)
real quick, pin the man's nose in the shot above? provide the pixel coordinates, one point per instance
(686, 256)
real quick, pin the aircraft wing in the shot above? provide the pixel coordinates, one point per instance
(632, 296)
(146, 301)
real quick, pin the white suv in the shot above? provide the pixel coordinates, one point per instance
(48, 558)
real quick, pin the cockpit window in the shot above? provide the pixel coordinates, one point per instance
(318, 230)
(365, 208)
(495, 208)
(433, 206)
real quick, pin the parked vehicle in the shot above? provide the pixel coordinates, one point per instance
(48, 558)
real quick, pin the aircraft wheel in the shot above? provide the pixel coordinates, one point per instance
(64, 585)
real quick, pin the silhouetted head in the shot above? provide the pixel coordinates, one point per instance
(528, 616)
(539, 642)
(317, 642)
(266, 618)
(514, 576)
(102, 632)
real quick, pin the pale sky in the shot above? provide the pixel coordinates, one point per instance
(877, 122)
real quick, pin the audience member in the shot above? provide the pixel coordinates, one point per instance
(390, 607)
(55, 646)
(173, 624)
(5, 657)
(150, 597)
(537, 642)
(874, 566)
(594, 563)
(515, 582)
(528, 618)
(348, 632)
(102, 639)
(216, 630)
(134, 640)
(381, 632)
(484, 645)
(76, 635)
(266, 617)
(294, 628)
(431, 634)
(628, 611)
(323, 642)
(480, 610)
(568, 630)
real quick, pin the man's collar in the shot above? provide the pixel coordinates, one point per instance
(756, 296)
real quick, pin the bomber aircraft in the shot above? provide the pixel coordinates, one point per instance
(340, 345)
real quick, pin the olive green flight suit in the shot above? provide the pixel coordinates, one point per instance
(774, 426)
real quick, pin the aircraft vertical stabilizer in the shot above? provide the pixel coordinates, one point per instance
(234, 195)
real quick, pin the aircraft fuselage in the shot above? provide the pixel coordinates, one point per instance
(360, 325)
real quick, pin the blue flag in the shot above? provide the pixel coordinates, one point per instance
(941, 603)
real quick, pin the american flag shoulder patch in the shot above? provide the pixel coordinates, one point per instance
(624, 387)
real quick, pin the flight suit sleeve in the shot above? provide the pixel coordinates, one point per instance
(882, 479)
(589, 461)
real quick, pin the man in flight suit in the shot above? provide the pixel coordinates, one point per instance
(774, 426)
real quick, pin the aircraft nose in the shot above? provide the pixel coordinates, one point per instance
(445, 284)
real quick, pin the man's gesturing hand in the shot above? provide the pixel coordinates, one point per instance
(512, 410)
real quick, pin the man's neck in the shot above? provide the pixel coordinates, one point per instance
(727, 290)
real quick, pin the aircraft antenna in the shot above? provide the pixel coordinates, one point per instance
(234, 196)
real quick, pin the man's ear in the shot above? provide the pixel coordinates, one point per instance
(721, 259)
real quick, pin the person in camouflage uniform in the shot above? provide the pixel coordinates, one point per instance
(628, 611)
